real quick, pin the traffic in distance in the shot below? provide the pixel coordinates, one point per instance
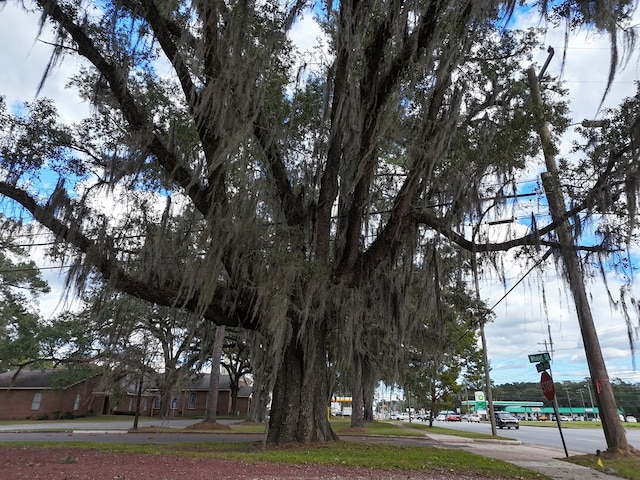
(503, 419)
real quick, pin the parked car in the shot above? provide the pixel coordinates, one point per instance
(474, 418)
(454, 417)
(631, 419)
(441, 417)
(506, 420)
(423, 417)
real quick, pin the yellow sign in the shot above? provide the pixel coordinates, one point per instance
(342, 399)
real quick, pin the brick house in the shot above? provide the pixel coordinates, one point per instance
(53, 393)
(191, 400)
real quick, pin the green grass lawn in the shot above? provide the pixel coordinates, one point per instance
(361, 454)
(353, 454)
(620, 467)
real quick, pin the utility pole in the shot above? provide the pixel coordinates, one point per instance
(485, 356)
(584, 406)
(591, 399)
(613, 430)
(566, 390)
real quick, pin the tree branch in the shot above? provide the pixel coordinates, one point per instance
(134, 115)
(103, 260)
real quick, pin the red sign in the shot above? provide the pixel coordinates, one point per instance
(547, 386)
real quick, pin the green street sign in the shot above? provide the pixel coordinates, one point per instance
(542, 366)
(539, 357)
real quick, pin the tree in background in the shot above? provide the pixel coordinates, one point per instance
(237, 362)
(23, 333)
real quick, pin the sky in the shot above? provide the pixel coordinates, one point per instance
(522, 324)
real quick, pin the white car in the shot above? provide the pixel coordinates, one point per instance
(474, 418)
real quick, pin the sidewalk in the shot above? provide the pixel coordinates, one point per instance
(546, 460)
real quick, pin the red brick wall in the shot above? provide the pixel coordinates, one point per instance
(16, 404)
(224, 404)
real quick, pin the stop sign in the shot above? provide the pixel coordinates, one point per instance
(547, 386)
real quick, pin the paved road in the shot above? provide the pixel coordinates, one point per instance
(124, 437)
(113, 431)
(584, 440)
(94, 424)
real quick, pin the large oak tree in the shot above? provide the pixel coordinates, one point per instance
(262, 193)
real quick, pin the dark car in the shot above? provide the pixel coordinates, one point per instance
(506, 420)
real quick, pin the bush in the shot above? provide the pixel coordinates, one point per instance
(43, 416)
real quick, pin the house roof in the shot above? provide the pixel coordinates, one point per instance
(38, 379)
(200, 383)
(54, 378)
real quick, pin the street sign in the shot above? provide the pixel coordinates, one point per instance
(548, 388)
(542, 366)
(539, 357)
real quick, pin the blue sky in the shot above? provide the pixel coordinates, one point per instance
(522, 324)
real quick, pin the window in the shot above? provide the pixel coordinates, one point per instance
(37, 398)
(174, 403)
(76, 404)
(156, 402)
(192, 399)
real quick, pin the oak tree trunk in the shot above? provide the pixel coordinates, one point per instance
(369, 381)
(357, 404)
(300, 395)
(210, 412)
(259, 400)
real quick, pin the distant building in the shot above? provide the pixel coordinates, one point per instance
(55, 393)
(191, 400)
(40, 394)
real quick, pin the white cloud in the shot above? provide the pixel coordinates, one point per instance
(23, 60)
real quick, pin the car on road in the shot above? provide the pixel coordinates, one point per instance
(454, 417)
(473, 418)
(506, 420)
(423, 417)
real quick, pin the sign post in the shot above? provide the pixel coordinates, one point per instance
(549, 391)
